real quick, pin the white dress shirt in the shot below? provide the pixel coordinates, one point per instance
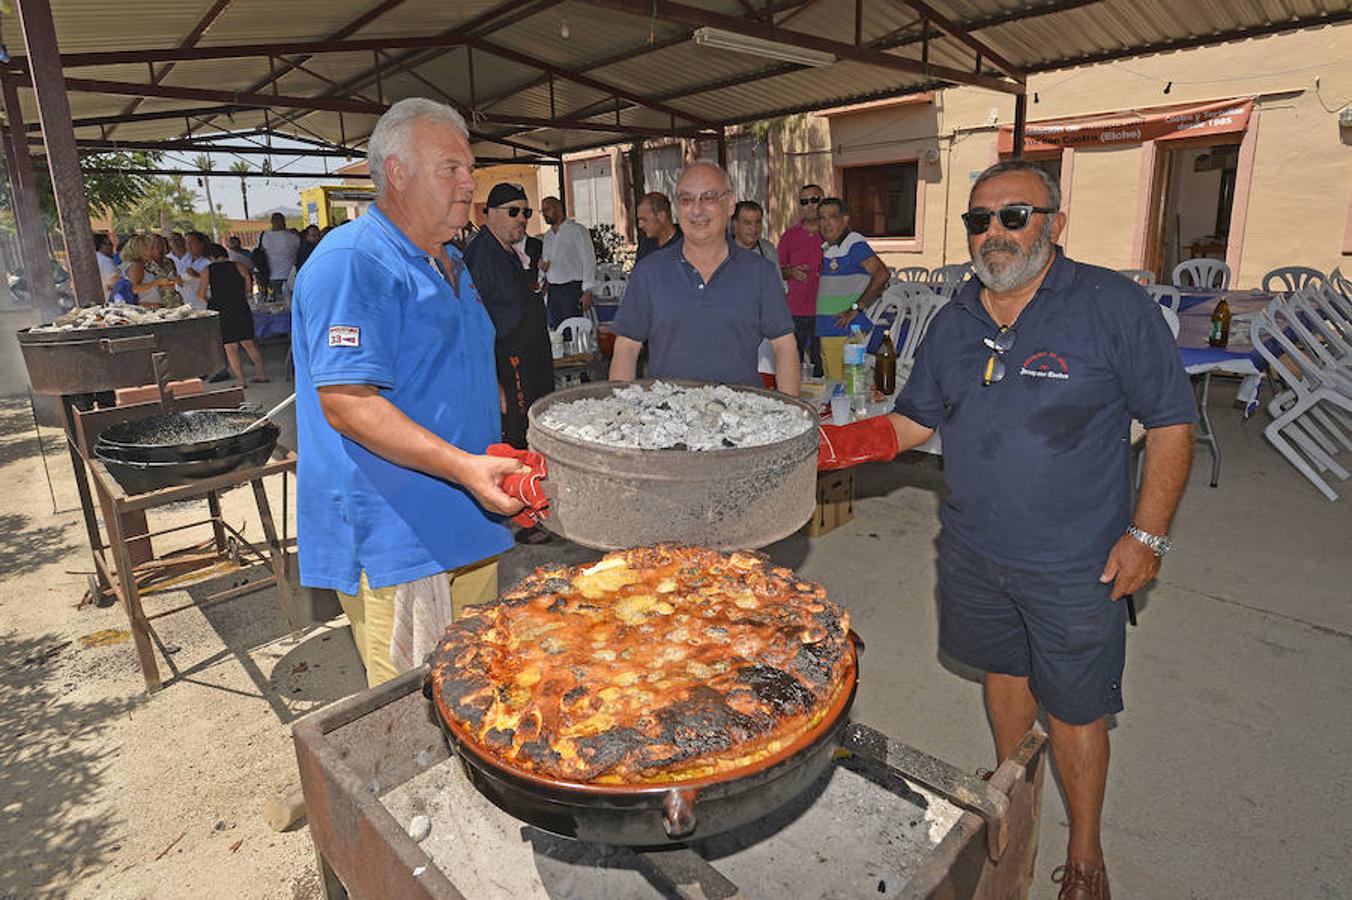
(570, 254)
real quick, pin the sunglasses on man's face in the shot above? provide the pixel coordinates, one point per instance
(808, 201)
(1002, 343)
(1013, 217)
(513, 211)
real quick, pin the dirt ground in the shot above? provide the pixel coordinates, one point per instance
(1229, 767)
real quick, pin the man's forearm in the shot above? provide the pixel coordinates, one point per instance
(1168, 461)
(910, 433)
(876, 285)
(624, 360)
(788, 369)
(364, 416)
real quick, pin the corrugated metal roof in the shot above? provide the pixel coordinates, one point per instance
(632, 52)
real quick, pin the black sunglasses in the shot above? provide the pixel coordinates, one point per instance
(808, 201)
(1013, 217)
(512, 211)
(1002, 343)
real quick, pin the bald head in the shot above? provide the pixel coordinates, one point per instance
(705, 199)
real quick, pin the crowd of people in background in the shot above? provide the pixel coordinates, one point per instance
(159, 270)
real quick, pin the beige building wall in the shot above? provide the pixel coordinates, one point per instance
(1296, 207)
(1101, 222)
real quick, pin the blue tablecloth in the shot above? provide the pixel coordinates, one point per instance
(270, 325)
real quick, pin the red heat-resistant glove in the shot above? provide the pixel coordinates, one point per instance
(525, 486)
(869, 440)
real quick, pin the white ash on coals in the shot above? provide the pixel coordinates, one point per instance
(83, 317)
(670, 417)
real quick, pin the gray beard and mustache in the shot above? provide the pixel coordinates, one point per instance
(1017, 269)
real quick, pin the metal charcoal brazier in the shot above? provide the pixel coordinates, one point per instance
(610, 498)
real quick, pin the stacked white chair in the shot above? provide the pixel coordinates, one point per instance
(947, 279)
(1166, 295)
(916, 274)
(1311, 418)
(918, 309)
(577, 331)
(1289, 279)
(1140, 276)
(1202, 273)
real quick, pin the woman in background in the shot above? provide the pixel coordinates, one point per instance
(227, 296)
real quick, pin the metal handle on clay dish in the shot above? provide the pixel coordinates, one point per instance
(113, 346)
(678, 812)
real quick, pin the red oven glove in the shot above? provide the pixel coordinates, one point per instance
(868, 440)
(525, 486)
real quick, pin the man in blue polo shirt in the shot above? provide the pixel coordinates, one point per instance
(1031, 376)
(703, 303)
(397, 399)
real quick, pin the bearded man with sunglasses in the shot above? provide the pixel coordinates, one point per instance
(524, 359)
(1031, 375)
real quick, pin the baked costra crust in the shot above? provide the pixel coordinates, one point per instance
(655, 664)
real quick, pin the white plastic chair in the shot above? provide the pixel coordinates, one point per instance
(1202, 273)
(1166, 295)
(1140, 276)
(919, 310)
(1311, 399)
(948, 279)
(917, 274)
(1287, 279)
(1171, 318)
(579, 330)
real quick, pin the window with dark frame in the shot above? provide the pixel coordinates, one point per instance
(882, 199)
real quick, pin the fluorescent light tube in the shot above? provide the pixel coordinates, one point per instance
(741, 43)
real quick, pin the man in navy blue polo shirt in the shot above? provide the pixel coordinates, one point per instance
(397, 399)
(1032, 375)
(703, 303)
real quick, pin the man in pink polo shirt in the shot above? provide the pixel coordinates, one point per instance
(800, 262)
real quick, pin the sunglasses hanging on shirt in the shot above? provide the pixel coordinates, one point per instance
(1013, 217)
(999, 345)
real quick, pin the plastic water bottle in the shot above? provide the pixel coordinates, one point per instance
(856, 371)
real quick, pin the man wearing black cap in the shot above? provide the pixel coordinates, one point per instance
(525, 363)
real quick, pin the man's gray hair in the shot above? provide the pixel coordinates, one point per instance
(393, 131)
(1019, 164)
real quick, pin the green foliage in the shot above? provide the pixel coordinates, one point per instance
(164, 203)
(118, 189)
(609, 245)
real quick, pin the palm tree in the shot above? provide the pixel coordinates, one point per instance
(204, 164)
(241, 167)
(164, 204)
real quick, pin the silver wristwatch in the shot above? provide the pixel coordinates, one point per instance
(1158, 544)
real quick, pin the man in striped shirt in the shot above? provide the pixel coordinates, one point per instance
(852, 278)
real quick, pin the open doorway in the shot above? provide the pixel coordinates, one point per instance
(1194, 199)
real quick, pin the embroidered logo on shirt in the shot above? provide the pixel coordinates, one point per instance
(1045, 364)
(344, 336)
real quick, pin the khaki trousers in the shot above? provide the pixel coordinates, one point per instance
(371, 613)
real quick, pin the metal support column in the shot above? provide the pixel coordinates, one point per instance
(563, 188)
(37, 261)
(63, 159)
(722, 148)
(1020, 121)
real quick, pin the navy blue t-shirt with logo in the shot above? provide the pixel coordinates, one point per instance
(1038, 464)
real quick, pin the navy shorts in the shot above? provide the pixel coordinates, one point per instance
(1060, 629)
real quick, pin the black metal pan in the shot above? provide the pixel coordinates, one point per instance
(659, 814)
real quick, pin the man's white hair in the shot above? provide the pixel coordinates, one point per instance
(394, 130)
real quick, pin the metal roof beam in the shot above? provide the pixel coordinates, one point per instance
(584, 80)
(962, 36)
(493, 17)
(149, 116)
(629, 53)
(99, 145)
(327, 104)
(202, 27)
(691, 15)
(306, 49)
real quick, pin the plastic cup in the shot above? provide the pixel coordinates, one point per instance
(840, 410)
